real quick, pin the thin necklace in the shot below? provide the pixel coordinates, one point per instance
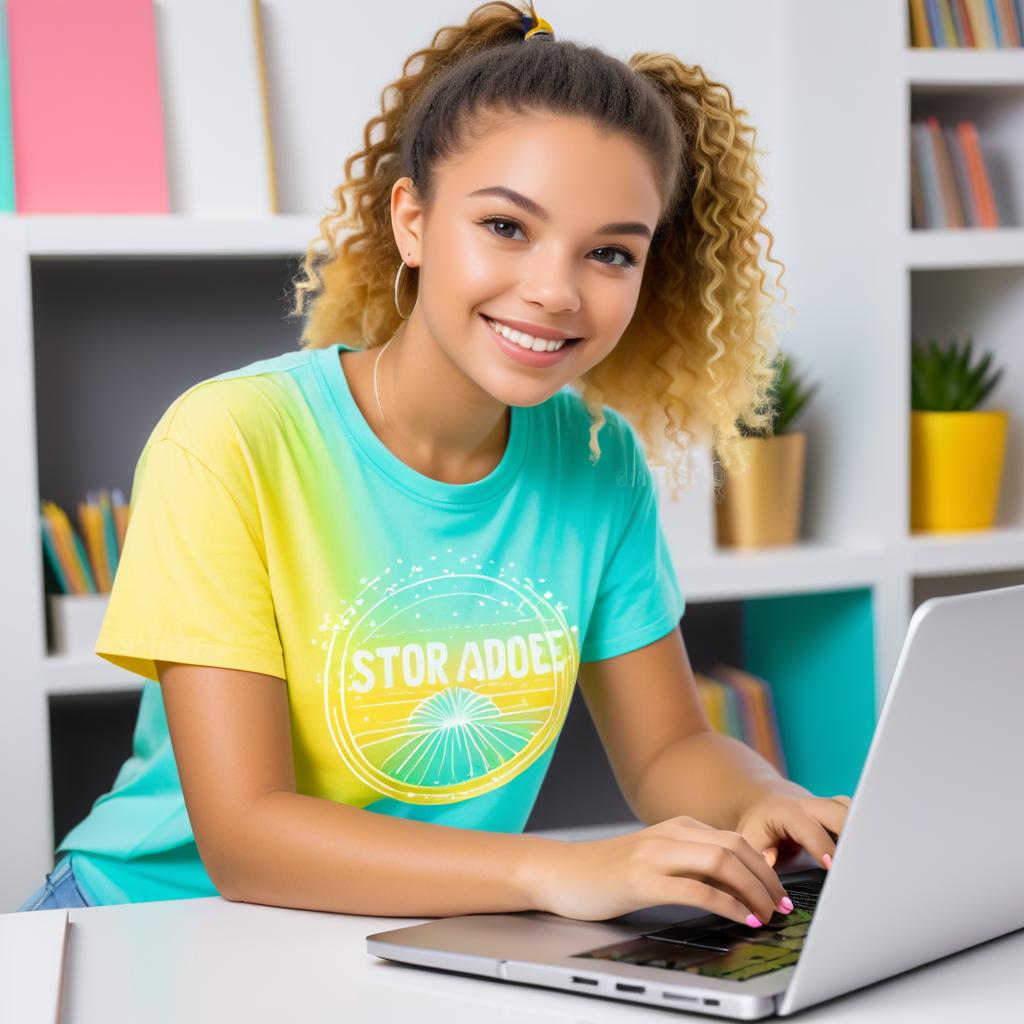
(376, 387)
(376, 383)
(376, 392)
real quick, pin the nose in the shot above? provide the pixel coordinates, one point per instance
(550, 283)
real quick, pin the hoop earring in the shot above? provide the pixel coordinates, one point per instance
(401, 267)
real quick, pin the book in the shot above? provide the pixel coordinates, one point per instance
(86, 113)
(952, 212)
(963, 178)
(759, 712)
(987, 212)
(740, 705)
(220, 157)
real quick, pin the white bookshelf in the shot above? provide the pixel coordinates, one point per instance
(87, 236)
(963, 67)
(950, 250)
(830, 89)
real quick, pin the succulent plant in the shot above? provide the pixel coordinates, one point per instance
(787, 398)
(942, 380)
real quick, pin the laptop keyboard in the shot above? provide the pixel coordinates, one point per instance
(717, 947)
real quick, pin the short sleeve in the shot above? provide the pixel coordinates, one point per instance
(638, 598)
(192, 583)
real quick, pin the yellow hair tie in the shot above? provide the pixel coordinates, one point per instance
(541, 27)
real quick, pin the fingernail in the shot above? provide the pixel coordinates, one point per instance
(786, 905)
(753, 921)
(827, 860)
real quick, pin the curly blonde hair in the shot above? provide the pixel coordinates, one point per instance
(698, 354)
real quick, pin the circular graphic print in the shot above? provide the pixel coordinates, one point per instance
(440, 687)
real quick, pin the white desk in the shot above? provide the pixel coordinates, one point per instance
(210, 960)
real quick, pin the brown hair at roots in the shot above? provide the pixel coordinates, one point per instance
(697, 354)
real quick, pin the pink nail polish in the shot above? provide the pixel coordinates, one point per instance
(753, 921)
(827, 860)
(785, 905)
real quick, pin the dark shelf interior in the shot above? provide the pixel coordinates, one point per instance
(101, 384)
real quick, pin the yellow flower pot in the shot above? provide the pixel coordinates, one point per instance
(761, 507)
(956, 465)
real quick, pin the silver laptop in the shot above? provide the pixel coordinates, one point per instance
(940, 791)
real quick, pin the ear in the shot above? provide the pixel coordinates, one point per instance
(407, 220)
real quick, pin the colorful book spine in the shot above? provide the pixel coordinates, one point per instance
(947, 26)
(919, 34)
(980, 24)
(740, 705)
(949, 182)
(1012, 27)
(963, 178)
(762, 724)
(929, 201)
(952, 212)
(710, 695)
(997, 30)
(987, 211)
(121, 509)
(85, 567)
(69, 551)
(53, 554)
(963, 23)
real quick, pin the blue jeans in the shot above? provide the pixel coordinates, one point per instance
(59, 890)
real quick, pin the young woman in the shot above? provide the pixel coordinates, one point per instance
(361, 579)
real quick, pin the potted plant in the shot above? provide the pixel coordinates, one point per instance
(956, 450)
(761, 505)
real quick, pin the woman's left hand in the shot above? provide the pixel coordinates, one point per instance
(779, 823)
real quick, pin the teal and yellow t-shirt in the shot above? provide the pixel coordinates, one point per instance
(429, 633)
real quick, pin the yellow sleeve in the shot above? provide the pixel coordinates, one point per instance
(192, 582)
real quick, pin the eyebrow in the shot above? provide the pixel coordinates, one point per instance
(538, 211)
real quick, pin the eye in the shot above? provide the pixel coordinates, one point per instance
(628, 259)
(501, 220)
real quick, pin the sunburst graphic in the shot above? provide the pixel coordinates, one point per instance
(457, 735)
(446, 682)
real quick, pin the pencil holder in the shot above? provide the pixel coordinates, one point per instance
(75, 621)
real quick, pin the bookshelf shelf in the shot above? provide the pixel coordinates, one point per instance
(968, 552)
(787, 569)
(964, 67)
(88, 673)
(963, 248)
(88, 236)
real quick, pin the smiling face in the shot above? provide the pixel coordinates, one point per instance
(543, 221)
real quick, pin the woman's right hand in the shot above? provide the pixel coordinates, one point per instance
(679, 860)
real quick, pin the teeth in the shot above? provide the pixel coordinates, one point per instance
(526, 340)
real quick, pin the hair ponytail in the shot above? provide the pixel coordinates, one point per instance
(697, 353)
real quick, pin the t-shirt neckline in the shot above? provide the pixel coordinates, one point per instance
(418, 484)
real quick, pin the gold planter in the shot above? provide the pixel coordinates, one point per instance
(762, 506)
(956, 465)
